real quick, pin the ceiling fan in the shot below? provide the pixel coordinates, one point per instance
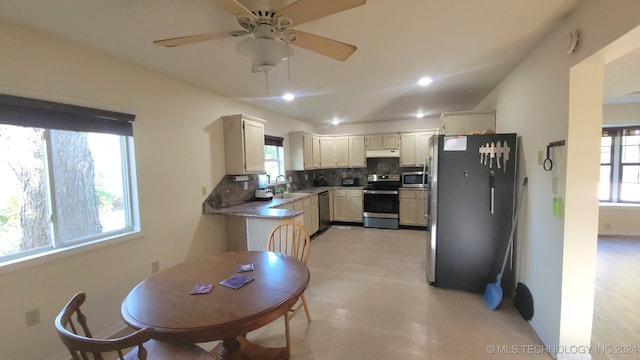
(271, 23)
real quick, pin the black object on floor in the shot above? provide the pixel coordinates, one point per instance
(523, 301)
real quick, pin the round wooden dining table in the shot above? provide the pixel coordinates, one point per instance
(164, 302)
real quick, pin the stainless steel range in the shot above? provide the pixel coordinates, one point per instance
(381, 201)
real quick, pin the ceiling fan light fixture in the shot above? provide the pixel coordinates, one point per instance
(288, 97)
(420, 114)
(264, 53)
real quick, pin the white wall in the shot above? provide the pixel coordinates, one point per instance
(619, 219)
(179, 149)
(548, 98)
(621, 114)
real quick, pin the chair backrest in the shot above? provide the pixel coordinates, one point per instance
(290, 238)
(71, 324)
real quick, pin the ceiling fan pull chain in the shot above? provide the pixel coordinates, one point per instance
(266, 77)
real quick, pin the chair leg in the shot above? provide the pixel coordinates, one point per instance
(306, 307)
(287, 332)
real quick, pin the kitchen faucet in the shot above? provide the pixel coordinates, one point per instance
(286, 181)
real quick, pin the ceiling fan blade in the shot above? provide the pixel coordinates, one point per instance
(303, 11)
(191, 39)
(235, 8)
(321, 45)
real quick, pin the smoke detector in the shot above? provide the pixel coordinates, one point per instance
(572, 42)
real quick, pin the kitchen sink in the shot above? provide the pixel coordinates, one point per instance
(293, 195)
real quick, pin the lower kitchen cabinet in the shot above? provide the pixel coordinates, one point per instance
(252, 233)
(311, 217)
(309, 206)
(413, 207)
(347, 205)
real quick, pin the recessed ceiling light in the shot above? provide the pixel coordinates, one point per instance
(288, 96)
(420, 114)
(425, 81)
(335, 121)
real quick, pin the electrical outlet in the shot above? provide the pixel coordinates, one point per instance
(554, 184)
(245, 185)
(155, 267)
(204, 191)
(306, 177)
(32, 317)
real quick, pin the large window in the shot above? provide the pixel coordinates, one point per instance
(65, 176)
(273, 156)
(620, 165)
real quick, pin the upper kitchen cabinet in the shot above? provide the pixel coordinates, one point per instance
(327, 152)
(415, 147)
(305, 150)
(342, 151)
(467, 122)
(243, 144)
(310, 151)
(357, 152)
(383, 142)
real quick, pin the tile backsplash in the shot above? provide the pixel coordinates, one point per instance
(333, 177)
(228, 192)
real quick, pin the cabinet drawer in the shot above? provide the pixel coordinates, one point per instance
(407, 194)
(339, 193)
(354, 193)
(411, 194)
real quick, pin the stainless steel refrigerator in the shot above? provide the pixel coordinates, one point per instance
(470, 209)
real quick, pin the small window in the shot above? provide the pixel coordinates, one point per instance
(61, 187)
(630, 165)
(620, 165)
(273, 156)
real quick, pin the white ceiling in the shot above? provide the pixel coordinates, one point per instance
(466, 46)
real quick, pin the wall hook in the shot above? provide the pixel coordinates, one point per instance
(547, 164)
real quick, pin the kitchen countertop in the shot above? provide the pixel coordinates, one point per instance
(265, 209)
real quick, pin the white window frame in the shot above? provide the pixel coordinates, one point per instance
(616, 164)
(57, 249)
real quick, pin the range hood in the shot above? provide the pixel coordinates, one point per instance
(383, 153)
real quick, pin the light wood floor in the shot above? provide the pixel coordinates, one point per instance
(616, 319)
(369, 300)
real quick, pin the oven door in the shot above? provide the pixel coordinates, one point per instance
(381, 203)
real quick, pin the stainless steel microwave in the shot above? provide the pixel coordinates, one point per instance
(415, 179)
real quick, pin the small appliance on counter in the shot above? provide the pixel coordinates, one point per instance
(350, 181)
(263, 192)
(320, 181)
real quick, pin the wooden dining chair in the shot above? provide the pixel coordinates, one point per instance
(291, 238)
(71, 324)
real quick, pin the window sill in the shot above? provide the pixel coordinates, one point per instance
(56, 254)
(621, 206)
